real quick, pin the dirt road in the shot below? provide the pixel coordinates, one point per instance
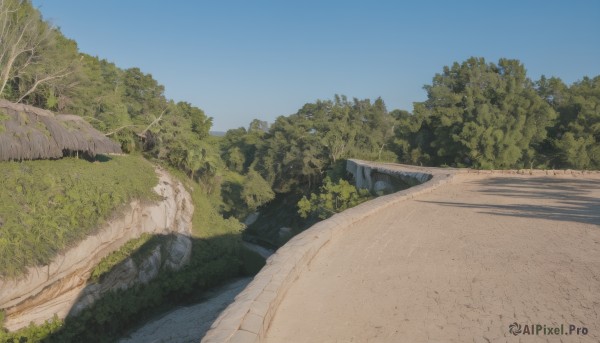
(460, 264)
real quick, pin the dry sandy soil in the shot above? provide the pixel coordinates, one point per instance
(459, 264)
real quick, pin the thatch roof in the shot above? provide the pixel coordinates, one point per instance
(28, 133)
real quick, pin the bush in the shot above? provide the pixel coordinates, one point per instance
(333, 198)
(217, 256)
(47, 206)
(116, 257)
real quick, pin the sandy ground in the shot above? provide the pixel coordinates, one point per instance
(458, 265)
(188, 324)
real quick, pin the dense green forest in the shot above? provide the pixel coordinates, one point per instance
(477, 114)
(487, 115)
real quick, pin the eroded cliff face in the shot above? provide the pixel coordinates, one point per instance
(62, 286)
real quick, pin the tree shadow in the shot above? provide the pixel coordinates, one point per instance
(568, 200)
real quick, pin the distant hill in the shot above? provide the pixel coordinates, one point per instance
(217, 133)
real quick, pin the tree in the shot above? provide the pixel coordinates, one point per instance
(239, 145)
(256, 191)
(200, 123)
(332, 198)
(33, 54)
(260, 126)
(142, 94)
(298, 149)
(482, 115)
(575, 138)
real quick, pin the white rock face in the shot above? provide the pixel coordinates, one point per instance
(382, 186)
(251, 218)
(57, 287)
(179, 252)
(285, 232)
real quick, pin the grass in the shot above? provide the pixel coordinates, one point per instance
(217, 256)
(49, 205)
(207, 220)
(116, 257)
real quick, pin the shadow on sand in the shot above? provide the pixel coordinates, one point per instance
(569, 200)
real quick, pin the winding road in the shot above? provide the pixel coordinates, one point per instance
(459, 264)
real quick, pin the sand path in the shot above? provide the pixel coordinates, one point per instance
(459, 264)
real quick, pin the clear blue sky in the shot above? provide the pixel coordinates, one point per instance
(239, 60)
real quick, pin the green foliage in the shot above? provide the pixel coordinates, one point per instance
(128, 105)
(208, 221)
(300, 148)
(45, 206)
(244, 194)
(477, 114)
(575, 139)
(332, 198)
(38, 65)
(239, 146)
(141, 93)
(32, 333)
(256, 191)
(281, 212)
(575, 152)
(213, 261)
(199, 123)
(217, 255)
(116, 257)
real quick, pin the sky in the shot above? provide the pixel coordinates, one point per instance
(240, 60)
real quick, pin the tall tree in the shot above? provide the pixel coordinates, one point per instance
(483, 115)
(576, 135)
(299, 148)
(33, 54)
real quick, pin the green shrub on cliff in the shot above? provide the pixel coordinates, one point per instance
(47, 206)
(127, 250)
(332, 198)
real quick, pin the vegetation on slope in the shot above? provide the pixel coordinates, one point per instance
(217, 256)
(332, 198)
(477, 114)
(133, 246)
(46, 206)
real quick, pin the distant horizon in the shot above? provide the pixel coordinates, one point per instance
(263, 60)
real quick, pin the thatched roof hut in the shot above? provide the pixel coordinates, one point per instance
(29, 133)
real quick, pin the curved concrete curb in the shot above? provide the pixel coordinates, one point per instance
(248, 318)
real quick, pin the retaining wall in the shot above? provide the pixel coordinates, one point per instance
(248, 318)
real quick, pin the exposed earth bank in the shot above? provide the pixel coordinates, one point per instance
(63, 285)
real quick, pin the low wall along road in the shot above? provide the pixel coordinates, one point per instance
(465, 256)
